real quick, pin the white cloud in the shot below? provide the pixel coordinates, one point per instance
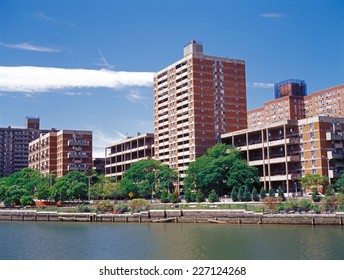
(102, 140)
(273, 15)
(43, 16)
(135, 96)
(29, 47)
(260, 85)
(71, 93)
(31, 79)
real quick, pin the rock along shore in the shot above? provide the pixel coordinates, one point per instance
(177, 216)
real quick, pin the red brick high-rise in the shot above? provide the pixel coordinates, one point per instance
(197, 99)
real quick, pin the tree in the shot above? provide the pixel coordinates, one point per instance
(213, 197)
(241, 194)
(14, 194)
(221, 168)
(246, 194)
(234, 194)
(271, 192)
(340, 184)
(255, 196)
(146, 177)
(74, 185)
(313, 180)
(262, 193)
(281, 193)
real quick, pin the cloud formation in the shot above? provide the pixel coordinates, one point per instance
(43, 16)
(273, 15)
(29, 47)
(135, 96)
(31, 79)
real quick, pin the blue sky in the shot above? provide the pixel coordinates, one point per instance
(88, 64)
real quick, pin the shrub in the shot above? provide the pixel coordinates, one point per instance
(272, 203)
(304, 203)
(84, 209)
(213, 197)
(122, 208)
(315, 196)
(199, 196)
(173, 197)
(105, 206)
(164, 197)
(316, 208)
(139, 204)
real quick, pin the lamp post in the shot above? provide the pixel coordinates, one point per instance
(328, 169)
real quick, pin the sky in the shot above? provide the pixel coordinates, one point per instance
(89, 64)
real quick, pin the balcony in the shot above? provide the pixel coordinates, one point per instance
(77, 167)
(335, 154)
(334, 174)
(77, 155)
(330, 136)
(76, 142)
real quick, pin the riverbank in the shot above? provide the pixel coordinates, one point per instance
(177, 216)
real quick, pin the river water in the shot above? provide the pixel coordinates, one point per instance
(120, 241)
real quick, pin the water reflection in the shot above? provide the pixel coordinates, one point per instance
(30, 240)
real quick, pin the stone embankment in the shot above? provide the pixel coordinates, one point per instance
(178, 216)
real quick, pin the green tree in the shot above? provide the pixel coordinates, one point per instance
(255, 196)
(271, 192)
(281, 193)
(234, 194)
(313, 180)
(74, 185)
(241, 194)
(221, 168)
(339, 185)
(246, 195)
(14, 194)
(199, 196)
(262, 193)
(315, 195)
(213, 197)
(145, 177)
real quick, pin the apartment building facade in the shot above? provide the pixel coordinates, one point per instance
(119, 156)
(286, 150)
(59, 152)
(196, 99)
(14, 145)
(291, 102)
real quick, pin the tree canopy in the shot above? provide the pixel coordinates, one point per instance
(222, 168)
(146, 177)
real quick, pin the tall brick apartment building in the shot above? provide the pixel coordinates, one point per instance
(196, 99)
(291, 102)
(59, 152)
(14, 145)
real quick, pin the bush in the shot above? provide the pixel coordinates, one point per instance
(84, 209)
(199, 196)
(105, 206)
(122, 208)
(304, 203)
(164, 197)
(315, 196)
(213, 197)
(173, 198)
(272, 203)
(316, 208)
(240, 194)
(139, 204)
(189, 196)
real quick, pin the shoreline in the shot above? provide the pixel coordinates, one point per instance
(177, 216)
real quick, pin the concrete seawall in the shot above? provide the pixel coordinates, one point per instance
(177, 216)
